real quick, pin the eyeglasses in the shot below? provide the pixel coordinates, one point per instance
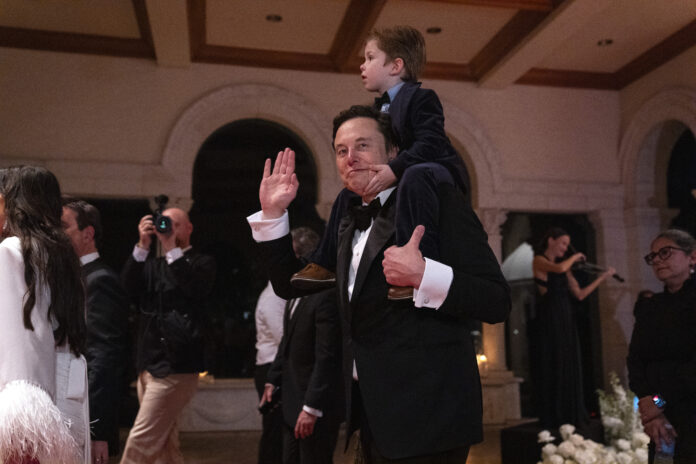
(663, 253)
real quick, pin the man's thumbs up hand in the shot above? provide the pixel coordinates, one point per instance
(404, 266)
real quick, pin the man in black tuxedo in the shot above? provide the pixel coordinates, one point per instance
(107, 350)
(409, 366)
(171, 292)
(307, 367)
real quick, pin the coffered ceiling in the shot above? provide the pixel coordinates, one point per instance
(604, 44)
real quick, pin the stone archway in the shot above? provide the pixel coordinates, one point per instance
(251, 101)
(481, 154)
(644, 153)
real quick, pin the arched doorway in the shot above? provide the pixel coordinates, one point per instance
(681, 182)
(226, 176)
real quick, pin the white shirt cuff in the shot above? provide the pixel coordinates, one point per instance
(140, 254)
(173, 254)
(435, 285)
(312, 411)
(264, 230)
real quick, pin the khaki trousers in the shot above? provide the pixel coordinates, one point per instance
(154, 437)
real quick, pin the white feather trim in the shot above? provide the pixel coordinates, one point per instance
(31, 426)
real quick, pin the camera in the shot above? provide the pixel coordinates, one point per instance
(163, 224)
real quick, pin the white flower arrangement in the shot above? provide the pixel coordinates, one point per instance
(628, 444)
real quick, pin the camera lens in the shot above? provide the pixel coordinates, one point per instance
(163, 224)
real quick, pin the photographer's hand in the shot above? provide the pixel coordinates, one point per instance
(145, 230)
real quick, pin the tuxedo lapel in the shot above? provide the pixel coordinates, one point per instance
(346, 228)
(382, 230)
(292, 317)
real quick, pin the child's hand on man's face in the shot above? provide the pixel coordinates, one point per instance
(383, 178)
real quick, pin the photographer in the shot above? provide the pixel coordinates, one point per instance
(171, 291)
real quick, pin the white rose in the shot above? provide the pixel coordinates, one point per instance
(576, 439)
(623, 445)
(545, 436)
(624, 458)
(566, 430)
(566, 449)
(611, 422)
(555, 459)
(609, 458)
(642, 455)
(640, 439)
(585, 457)
(548, 450)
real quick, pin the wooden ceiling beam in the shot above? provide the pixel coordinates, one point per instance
(143, 22)
(519, 27)
(264, 58)
(74, 43)
(658, 55)
(530, 5)
(567, 18)
(358, 21)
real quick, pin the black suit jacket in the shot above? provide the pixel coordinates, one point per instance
(107, 350)
(181, 288)
(418, 120)
(308, 362)
(417, 368)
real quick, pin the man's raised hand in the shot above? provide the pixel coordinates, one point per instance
(278, 188)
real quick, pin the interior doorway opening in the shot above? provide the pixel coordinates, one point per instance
(226, 177)
(523, 231)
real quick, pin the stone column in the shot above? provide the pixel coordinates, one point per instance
(494, 334)
(501, 392)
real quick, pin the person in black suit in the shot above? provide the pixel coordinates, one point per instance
(307, 367)
(172, 293)
(409, 366)
(394, 58)
(108, 342)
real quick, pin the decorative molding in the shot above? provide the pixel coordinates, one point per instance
(532, 5)
(569, 79)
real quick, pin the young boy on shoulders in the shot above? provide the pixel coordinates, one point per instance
(393, 59)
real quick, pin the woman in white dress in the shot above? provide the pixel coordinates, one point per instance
(42, 331)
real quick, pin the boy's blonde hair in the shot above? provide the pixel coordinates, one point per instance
(402, 42)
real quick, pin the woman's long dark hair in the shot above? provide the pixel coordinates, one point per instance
(33, 209)
(543, 244)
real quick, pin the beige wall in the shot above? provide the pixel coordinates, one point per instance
(105, 125)
(82, 107)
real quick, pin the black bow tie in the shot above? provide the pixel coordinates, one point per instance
(363, 215)
(379, 101)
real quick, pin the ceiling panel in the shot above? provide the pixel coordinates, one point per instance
(307, 25)
(111, 18)
(465, 29)
(635, 26)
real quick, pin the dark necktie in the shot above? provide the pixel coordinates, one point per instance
(384, 99)
(363, 215)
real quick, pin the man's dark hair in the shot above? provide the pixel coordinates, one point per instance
(362, 111)
(86, 215)
(305, 241)
(402, 42)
